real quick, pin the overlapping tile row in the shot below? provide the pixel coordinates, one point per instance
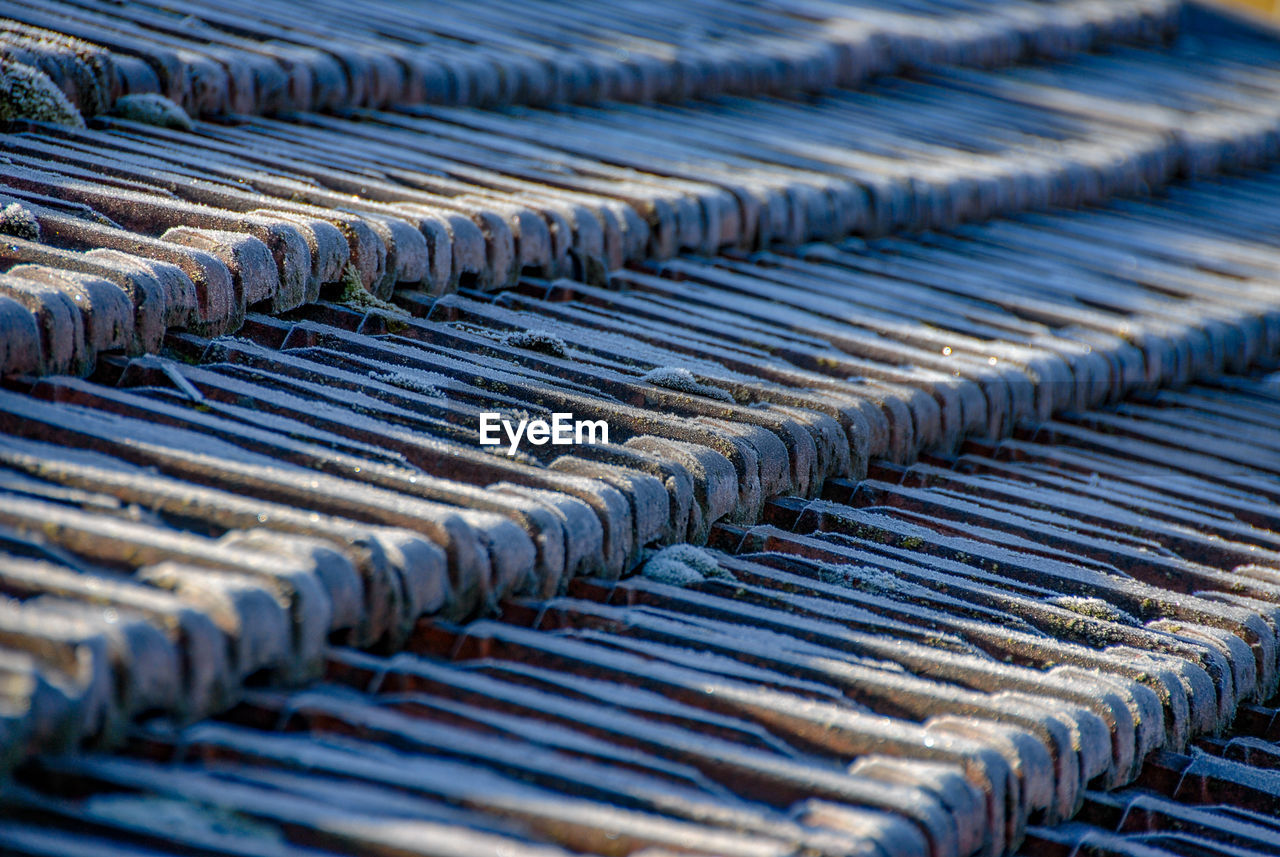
(119, 235)
(192, 525)
(219, 58)
(725, 383)
(973, 571)
(1032, 643)
(1217, 800)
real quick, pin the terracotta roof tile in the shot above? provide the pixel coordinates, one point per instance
(936, 513)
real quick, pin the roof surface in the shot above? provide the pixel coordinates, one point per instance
(937, 509)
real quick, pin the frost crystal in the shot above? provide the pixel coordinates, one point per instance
(682, 380)
(28, 93)
(407, 382)
(19, 222)
(869, 579)
(683, 565)
(1094, 608)
(537, 340)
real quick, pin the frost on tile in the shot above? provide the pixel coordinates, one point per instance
(28, 93)
(19, 222)
(406, 382)
(537, 340)
(683, 565)
(1093, 607)
(683, 381)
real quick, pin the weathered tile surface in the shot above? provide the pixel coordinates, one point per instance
(937, 511)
